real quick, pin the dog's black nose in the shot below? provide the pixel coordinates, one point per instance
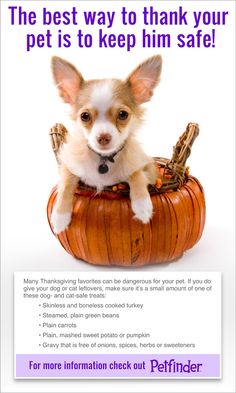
(104, 139)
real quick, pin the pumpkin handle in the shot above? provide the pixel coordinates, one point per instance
(58, 135)
(181, 152)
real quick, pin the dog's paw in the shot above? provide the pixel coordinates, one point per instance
(60, 221)
(142, 209)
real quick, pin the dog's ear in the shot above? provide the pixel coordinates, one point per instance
(144, 79)
(67, 78)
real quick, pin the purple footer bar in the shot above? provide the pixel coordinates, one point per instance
(117, 366)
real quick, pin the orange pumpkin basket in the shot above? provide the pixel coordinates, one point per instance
(103, 231)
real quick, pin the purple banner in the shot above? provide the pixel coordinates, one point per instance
(117, 366)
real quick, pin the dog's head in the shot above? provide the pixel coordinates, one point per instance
(107, 110)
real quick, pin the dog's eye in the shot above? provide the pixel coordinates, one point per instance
(123, 115)
(85, 116)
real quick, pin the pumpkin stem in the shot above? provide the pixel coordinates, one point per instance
(58, 135)
(181, 152)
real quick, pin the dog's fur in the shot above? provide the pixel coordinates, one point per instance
(107, 114)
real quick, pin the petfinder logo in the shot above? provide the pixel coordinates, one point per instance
(172, 367)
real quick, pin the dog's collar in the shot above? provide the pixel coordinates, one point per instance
(103, 167)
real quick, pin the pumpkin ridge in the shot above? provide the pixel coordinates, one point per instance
(172, 209)
(202, 210)
(195, 212)
(201, 201)
(106, 217)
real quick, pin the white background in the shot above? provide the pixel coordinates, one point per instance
(197, 85)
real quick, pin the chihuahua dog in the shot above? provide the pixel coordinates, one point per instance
(104, 151)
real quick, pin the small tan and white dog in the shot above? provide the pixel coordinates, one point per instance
(104, 151)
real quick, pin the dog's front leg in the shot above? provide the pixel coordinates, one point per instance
(61, 215)
(140, 198)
